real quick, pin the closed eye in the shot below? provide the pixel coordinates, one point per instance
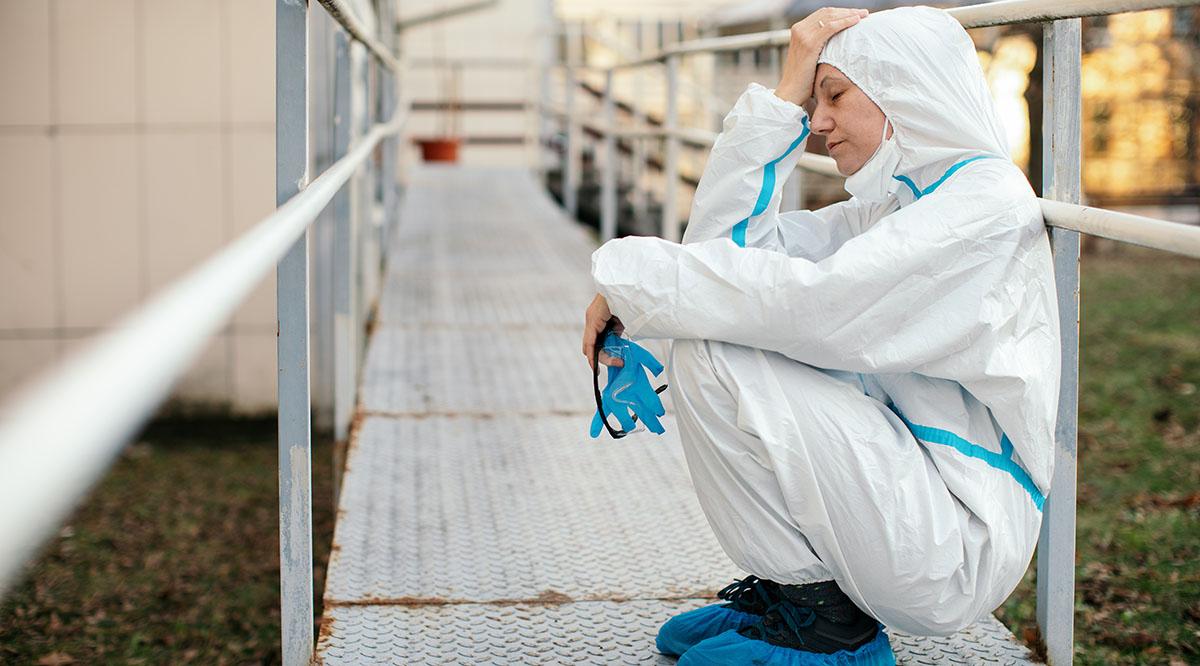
(835, 97)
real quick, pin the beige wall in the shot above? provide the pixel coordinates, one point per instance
(136, 137)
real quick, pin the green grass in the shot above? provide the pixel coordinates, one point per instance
(1138, 539)
(174, 558)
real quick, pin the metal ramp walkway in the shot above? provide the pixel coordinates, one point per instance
(478, 523)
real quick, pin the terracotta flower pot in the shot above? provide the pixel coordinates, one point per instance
(443, 149)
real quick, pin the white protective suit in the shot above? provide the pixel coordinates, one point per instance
(866, 392)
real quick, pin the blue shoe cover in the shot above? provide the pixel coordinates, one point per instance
(687, 629)
(734, 649)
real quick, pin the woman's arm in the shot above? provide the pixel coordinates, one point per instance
(915, 288)
(762, 138)
(739, 194)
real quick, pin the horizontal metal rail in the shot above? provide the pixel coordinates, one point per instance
(345, 17)
(1148, 232)
(59, 435)
(1035, 11)
(974, 16)
(403, 24)
(1173, 237)
(473, 63)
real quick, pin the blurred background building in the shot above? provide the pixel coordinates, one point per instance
(137, 137)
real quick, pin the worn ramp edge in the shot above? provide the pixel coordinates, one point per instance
(580, 633)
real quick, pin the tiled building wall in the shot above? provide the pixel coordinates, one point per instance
(136, 138)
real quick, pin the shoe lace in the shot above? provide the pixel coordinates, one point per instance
(747, 593)
(782, 624)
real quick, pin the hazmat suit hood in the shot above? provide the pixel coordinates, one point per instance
(920, 68)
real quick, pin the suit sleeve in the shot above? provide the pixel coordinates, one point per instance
(739, 194)
(914, 288)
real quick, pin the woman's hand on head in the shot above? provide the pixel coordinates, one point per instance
(595, 319)
(808, 38)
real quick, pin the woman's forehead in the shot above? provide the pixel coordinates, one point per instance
(828, 75)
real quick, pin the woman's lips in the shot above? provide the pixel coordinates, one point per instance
(833, 145)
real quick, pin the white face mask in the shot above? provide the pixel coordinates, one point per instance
(873, 182)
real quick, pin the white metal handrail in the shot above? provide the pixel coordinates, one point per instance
(442, 13)
(114, 384)
(982, 15)
(1065, 219)
(1113, 225)
(1125, 227)
(348, 20)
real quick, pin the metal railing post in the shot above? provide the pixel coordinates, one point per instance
(639, 170)
(545, 121)
(343, 328)
(359, 118)
(608, 189)
(388, 80)
(639, 122)
(670, 213)
(570, 171)
(1061, 112)
(366, 260)
(295, 427)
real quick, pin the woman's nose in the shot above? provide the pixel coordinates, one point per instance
(821, 122)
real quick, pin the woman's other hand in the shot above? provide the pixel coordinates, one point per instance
(595, 320)
(808, 38)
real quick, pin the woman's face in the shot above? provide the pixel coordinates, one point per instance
(850, 122)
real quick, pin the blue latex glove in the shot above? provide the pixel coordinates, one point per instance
(628, 391)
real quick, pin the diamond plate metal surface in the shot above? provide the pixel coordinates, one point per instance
(478, 523)
(451, 369)
(588, 632)
(486, 301)
(985, 642)
(453, 509)
(574, 633)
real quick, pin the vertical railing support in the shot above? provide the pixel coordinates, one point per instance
(388, 79)
(670, 213)
(388, 90)
(571, 137)
(344, 332)
(361, 223)
(608, 187)
(639, 122)
(295, 427)
(775, 54)
(1061, 112)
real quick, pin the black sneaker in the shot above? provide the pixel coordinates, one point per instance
(817, 617)
(750, 595)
